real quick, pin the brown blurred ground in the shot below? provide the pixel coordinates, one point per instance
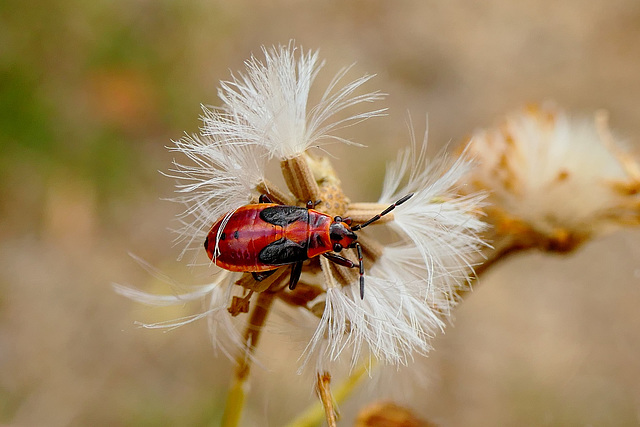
(91, 92)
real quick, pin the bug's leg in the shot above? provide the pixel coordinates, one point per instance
(264, 199)
(340, 260)
(296, 271)
(262, 275)
(311, 205)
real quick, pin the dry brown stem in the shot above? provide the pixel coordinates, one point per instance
(299, 178)
(274, 193)
(252, 333)
(324, 391)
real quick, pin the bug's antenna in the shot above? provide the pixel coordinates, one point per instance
(361, 270)
(380, 215)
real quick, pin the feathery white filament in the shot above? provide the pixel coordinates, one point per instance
(549, 170)
(225, 334)
(268, 105)
(442, 225)
(265, 114)
(221, 177)
(393, 322)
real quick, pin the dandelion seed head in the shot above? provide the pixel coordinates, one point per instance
(410, 285)
(269, 104)
(557, 175)
(443, 226)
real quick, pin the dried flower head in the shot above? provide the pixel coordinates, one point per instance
(554, 181)
(265, 117)
(389, 414)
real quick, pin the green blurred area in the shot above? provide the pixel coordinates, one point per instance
(92, 92)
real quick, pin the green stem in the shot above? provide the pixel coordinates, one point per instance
(235, 403)
(236, 396)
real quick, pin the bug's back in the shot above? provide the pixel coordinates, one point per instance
(261, 237)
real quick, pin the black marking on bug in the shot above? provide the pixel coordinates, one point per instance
(235, 234)
(284, 215)
(337, 231)
(223, 235)
(282, 252)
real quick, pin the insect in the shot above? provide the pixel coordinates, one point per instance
(260, 238)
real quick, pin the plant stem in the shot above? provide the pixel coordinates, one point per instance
(501, 250)
(299, 178)
(234, 405)
(324, 390)
(237, 392)
(314, 415)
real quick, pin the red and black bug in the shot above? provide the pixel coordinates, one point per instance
(262, 237)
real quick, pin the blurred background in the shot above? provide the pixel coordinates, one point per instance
(92, 92)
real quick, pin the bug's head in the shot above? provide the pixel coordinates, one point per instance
(341, 234)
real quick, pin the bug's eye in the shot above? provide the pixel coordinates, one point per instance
(337, 247)
(337, 219)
